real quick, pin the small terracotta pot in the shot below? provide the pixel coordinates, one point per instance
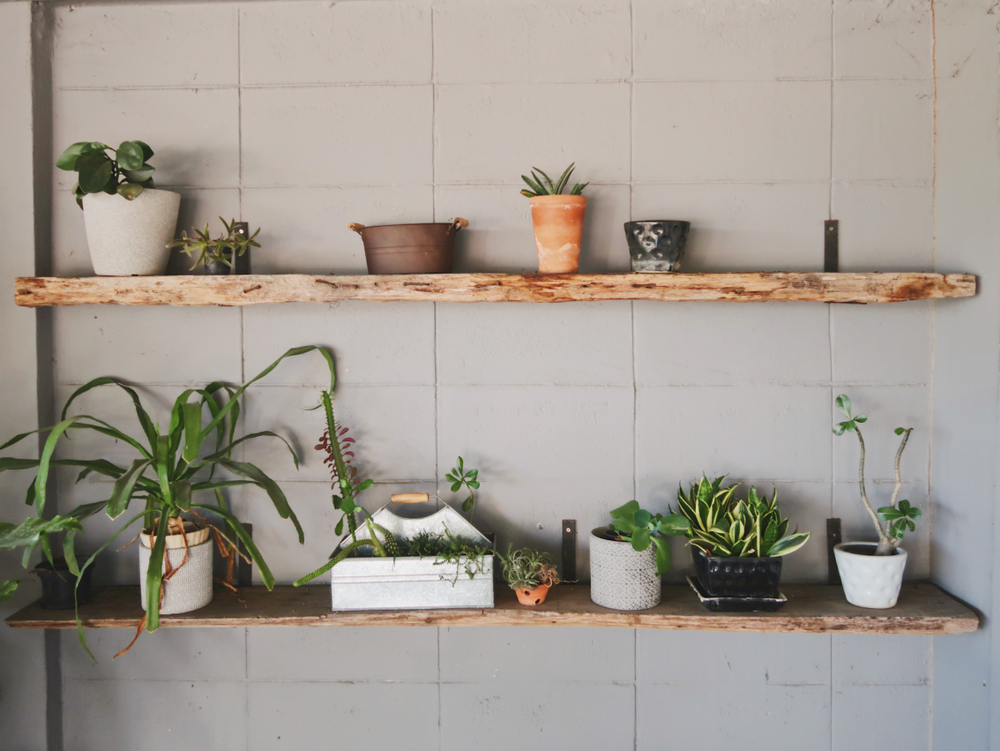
(532, 597)
(558, 222)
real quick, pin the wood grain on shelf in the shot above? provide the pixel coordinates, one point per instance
(922, 609)
(261, 289)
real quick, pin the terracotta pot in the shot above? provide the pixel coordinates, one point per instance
(558, 222)
(532, 597)
(410, 248)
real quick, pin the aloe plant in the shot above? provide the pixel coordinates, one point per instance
(899, 517)
(541, 184)
(642, 528)
(723, 525)
(126, 173)
(168, 474)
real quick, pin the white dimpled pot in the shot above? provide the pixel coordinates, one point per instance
(620, 577)
(870, 581)
(191, 587)
(129, 238)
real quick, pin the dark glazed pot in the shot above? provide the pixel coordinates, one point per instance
(240, 266)
(656, 244)
(58, 585)
(410, 248)
(737, 577)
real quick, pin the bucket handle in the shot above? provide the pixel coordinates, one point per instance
(355, 227)
(458, 224)
(409, 498)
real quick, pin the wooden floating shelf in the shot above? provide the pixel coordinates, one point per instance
(814, 609)
(33, 292)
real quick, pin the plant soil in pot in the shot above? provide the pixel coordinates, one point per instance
(870, 581)
(59, 585)
(129, 238)
(410, 248)
(189, 586)
(657, 244)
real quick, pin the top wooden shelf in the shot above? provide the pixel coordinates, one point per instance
(814, 609)
(33, 292)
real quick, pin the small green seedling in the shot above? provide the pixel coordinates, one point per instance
(459, 478)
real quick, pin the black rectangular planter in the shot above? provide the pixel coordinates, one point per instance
(737, 577)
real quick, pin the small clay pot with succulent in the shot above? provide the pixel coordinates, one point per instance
(557, 220)
(529, 573)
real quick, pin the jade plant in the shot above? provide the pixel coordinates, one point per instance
(171, 469)
(725, 526)
(541, 184)
(630, 523)
(898, 516)
(224, 249)
(103, 169)
(528, 569)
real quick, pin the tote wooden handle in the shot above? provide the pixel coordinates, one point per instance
(410, 498)
(355, 227)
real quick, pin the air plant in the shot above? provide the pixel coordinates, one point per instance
(542, 185)
(528, 569)
(899, 517)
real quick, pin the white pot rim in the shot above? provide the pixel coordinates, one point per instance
(842, 548)
(175, 542)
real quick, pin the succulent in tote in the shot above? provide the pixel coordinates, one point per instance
(899, 517)
(642, 528)
(541, 184)
(725, 526)
(126, 173)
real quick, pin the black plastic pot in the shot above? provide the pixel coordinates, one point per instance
(58, 586)
(737, 577)
(241, 265)
(656, 244)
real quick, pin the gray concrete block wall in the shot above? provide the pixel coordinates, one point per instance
(757, 122)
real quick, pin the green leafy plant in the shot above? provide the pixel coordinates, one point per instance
(170, 470)
(224, 249)
(102, 169)
(642, 528)
(541, 184)
(28, 535)
(899, 517)
(459, 477)
(527, 568)
(724, 526)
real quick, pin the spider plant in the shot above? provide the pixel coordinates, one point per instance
(170, 471)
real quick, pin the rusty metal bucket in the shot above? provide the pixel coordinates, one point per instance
(410, 248)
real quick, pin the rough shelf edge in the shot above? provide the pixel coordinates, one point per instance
(880, 287)
(306, 608)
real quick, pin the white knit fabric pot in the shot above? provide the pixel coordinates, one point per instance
(870, 581)
(620, 577)
(129, 238)
(191, 587)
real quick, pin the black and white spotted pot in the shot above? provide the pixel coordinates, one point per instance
(620, 577)
(657, 244)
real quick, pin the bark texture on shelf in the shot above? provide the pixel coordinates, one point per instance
(261, 289)
(922, 609)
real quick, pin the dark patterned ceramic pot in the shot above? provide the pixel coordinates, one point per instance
(657, 244)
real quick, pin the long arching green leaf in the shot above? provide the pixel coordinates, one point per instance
(225, 453)
(113, 432)
(32, 529)
(124, 487)
(192, 431)
(294, 352)
(240, 530)
(245, 469)
(147, 425)
(42, 478)
(154, 575)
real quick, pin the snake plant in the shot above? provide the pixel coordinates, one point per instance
(724, 526)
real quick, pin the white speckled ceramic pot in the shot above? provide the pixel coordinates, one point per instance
(870, 581)
(190, 588)
(620, 577)
(129, 238)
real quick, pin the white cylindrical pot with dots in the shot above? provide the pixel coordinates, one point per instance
(870, 581)
(620, 577)
(129, 238)
(190, 586)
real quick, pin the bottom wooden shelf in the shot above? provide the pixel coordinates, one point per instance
(816, 609)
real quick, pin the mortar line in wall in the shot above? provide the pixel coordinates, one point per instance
(833, 387)
(635, 412)
(433, 128)
(833, 72)
(440, 731)
(635, 689)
